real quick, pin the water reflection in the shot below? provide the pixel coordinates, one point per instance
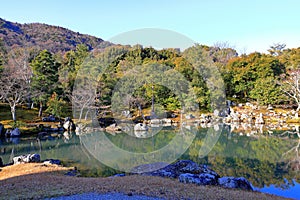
(266, 155)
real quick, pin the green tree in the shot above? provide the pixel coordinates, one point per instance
(248, 73)
(72, 61)
(45, 77)
(266, 91)
(290, 58)
(206, 81)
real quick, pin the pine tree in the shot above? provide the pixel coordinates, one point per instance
(45, 77)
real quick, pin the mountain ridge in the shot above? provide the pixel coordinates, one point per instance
(45, 36)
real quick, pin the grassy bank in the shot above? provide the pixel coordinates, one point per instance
(36, 181)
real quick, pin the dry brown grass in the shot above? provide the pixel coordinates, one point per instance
(36, 181)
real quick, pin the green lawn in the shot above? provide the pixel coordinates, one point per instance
(24, 116)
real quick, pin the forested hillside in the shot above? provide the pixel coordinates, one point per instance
(43, 36)
(40, 64)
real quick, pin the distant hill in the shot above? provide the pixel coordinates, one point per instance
(52, 38)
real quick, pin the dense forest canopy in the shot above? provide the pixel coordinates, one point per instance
(43, 64)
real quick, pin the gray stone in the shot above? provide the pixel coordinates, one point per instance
(249, 104)
(126, 113)
(119, 175)
(15, 132)
(26, 158)
(216, 113)
(208, 179)
(52, 162)
(259, 120)
(50, 118)
(189, 116)
(34, 158)
(166, 121)
(155, 121)
(188, 171)
(238, 183)
(201, 179)
(69, 124)
(140, 127)
(181, 167)
(72, 173)
(189, 178)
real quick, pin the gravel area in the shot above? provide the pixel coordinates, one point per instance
(108, 196)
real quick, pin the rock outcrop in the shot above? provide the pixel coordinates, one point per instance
(232, 182)
(26, 158)
(187, 171)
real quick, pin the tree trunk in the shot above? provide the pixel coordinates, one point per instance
(81, 113)
(141, 112)
(297, 110)
(29, 102)
(86, 114)
(41, 109)
(13, 112)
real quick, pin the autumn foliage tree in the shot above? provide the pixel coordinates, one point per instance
(56, 106)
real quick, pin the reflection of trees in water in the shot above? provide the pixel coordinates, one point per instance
(256, 158)
(264, 160)
(292, 155)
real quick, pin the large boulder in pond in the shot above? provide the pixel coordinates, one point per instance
(30, 158)
(69, 125)
(13, 133)
(50, 118)
(232, 182)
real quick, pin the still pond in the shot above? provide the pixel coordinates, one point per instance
(269, 159)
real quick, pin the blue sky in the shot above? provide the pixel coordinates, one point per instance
(246, 25)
